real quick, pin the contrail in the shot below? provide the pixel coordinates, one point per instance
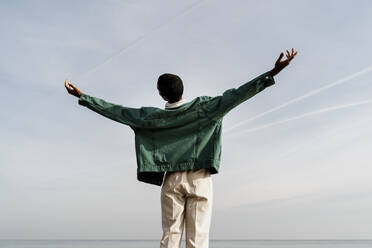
(311, 93)
(324, 110)
(136, 41)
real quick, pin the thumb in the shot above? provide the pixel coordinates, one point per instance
(280, 57)
(73, 86)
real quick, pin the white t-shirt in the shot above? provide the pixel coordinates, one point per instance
(175, 104)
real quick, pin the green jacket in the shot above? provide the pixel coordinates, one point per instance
(187, 137)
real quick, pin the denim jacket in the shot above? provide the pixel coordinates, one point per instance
(187, 137)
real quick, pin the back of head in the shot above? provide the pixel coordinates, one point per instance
(170, 86)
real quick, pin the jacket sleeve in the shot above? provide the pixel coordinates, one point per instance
(119, 113)
(217, 107)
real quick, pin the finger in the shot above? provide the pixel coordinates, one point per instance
(287, 56)
(292, 51)
(70, 88)
(68, 82)
(293, 55)
(288, 53)
(280, 57)
(67, 86)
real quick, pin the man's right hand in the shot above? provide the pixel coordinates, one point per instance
(72, 89)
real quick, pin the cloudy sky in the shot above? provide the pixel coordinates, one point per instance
(296, 160)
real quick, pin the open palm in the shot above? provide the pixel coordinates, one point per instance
(281, 64)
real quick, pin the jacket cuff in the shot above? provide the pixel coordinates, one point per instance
(268, 79)
(83, 99)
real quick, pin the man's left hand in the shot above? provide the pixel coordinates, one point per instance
(280, 64)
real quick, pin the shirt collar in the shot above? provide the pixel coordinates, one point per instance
(175, 104)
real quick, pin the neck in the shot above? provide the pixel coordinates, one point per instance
(175, 104)
(176, 101)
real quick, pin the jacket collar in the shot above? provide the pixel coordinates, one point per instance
(175, 104)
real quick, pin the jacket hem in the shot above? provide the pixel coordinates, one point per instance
(192, 165)
(155, 174)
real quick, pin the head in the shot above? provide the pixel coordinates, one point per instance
(170, 87)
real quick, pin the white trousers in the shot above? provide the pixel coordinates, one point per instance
(186, 198)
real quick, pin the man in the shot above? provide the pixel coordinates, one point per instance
(180, 148)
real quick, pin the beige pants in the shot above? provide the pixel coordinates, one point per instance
(186, 196)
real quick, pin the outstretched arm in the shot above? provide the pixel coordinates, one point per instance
(219, 106)
(115, 112)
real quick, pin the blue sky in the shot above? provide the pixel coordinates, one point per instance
(300, 171)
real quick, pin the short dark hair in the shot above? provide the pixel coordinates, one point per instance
(170, 86)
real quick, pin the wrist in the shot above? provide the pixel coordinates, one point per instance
(273, 72)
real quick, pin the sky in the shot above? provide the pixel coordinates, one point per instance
(296, 158)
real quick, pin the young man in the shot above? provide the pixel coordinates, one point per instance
(180, 148)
